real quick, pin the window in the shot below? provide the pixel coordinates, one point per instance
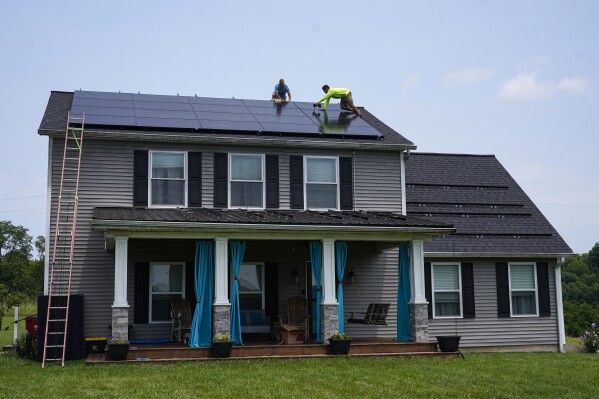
(251, 286)
(168, 179)
(523, 289)
(167, 281)
(246, 181)
(321, 184)
(447, 290)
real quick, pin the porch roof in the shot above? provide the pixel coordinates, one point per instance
(132, 218)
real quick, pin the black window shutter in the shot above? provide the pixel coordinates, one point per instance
(543, 284)
(345, 181)
(272, 181)
(190, 294)
(296, 166)
(140, 178)
(468, 290)
(271, 284)
(194, 180)
(221, 174)
(142, 293)
(428, 292)
(503, 289)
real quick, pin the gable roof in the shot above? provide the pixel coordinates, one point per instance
(376, 134)
(490, 211)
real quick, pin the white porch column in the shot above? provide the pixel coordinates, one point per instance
(221, 271)
(328, 272)
(561, 330)
(120, 272)
(417, 272)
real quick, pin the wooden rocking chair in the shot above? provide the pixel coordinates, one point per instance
(294, 327)
(376, 314)
(181, 318)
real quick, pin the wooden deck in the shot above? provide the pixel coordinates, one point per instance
(266, 350)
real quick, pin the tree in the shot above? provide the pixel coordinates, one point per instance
(14, 241)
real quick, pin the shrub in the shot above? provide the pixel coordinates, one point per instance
(590, 339)
(26, 347)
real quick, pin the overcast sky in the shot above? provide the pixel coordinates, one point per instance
(517, 79)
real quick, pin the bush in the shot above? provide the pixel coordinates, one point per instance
(590, 339)
(26, 347)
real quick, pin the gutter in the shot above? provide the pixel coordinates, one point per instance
(497, 255)
(215, 138)
(561, 330)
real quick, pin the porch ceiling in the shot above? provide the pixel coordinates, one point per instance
(265, 224)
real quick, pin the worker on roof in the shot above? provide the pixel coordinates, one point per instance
(281, 91)
(347, 102)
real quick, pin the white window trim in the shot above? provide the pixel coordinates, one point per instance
(246, 181)
(185, 177)
(150, 321)
(509, 276)
(338, 200)
(461, 297)
(263, 280)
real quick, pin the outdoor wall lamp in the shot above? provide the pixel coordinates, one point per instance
(295, 276)
(352, 276)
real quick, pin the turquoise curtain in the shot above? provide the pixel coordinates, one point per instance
(403, 294)
(201, 326)
(237, 249)
(340, 257)
(316, 259)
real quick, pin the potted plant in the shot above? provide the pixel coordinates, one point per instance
(339, 344)
(221, 346)
(118, 348)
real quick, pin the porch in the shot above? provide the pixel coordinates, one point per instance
(261, 349)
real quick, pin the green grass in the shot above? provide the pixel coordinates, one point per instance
(573, 341)
(547, 375)
(6, 336)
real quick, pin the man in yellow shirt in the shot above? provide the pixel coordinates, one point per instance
(347, 102)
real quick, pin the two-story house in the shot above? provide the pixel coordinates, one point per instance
(239, 205)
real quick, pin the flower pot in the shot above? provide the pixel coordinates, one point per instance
(221, 349)
(448, 343)
(340, 346)
(118, 351)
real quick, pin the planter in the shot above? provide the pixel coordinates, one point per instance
(221, 349)
(449, 343)
(118, 351)
(340, 346)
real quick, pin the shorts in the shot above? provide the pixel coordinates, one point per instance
(347, 101)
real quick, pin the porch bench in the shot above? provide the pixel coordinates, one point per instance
(376, 314)
(255, 322)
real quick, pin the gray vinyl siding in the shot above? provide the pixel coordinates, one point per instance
(486, 329)
(377, 181)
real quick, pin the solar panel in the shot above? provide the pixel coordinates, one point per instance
(184, 112)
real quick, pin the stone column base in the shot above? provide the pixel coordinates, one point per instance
(328, 321)
(120, 323)
(221, 319)
(419, 322)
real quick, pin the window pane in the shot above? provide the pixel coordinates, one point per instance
(167, 278)
(161, 306)
(321, 170)
(168, 192)
(524, 302)
(446, 277)
(246, 167)
(250, 278)
(168, 166)
(321, 196)
(250, 301)
(522, 277)
(447, 304)
(246, 194)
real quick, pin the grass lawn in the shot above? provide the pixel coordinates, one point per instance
(6, 336)
(547, 375)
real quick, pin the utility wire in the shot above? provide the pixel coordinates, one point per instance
(23, 210)
(16, 198)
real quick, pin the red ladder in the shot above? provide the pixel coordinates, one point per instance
(61, 269)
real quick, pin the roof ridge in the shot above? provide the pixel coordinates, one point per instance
(452, 154)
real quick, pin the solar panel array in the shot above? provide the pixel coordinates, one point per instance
(127, 110)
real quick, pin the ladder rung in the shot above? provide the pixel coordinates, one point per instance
(58, 307)
(54, 346)
(74, 128)
(73, 148)
(53, 360)
(56, 332)
(56, 320)
(72, 158)
(76, 118)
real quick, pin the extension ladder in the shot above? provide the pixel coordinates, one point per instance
(59, 287)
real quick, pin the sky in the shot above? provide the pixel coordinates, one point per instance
(517, 79)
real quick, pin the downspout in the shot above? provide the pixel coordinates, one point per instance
(402, 158)
(48, 216)
(353, 179)
(560, 306)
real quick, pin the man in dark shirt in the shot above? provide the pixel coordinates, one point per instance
(281, 92)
